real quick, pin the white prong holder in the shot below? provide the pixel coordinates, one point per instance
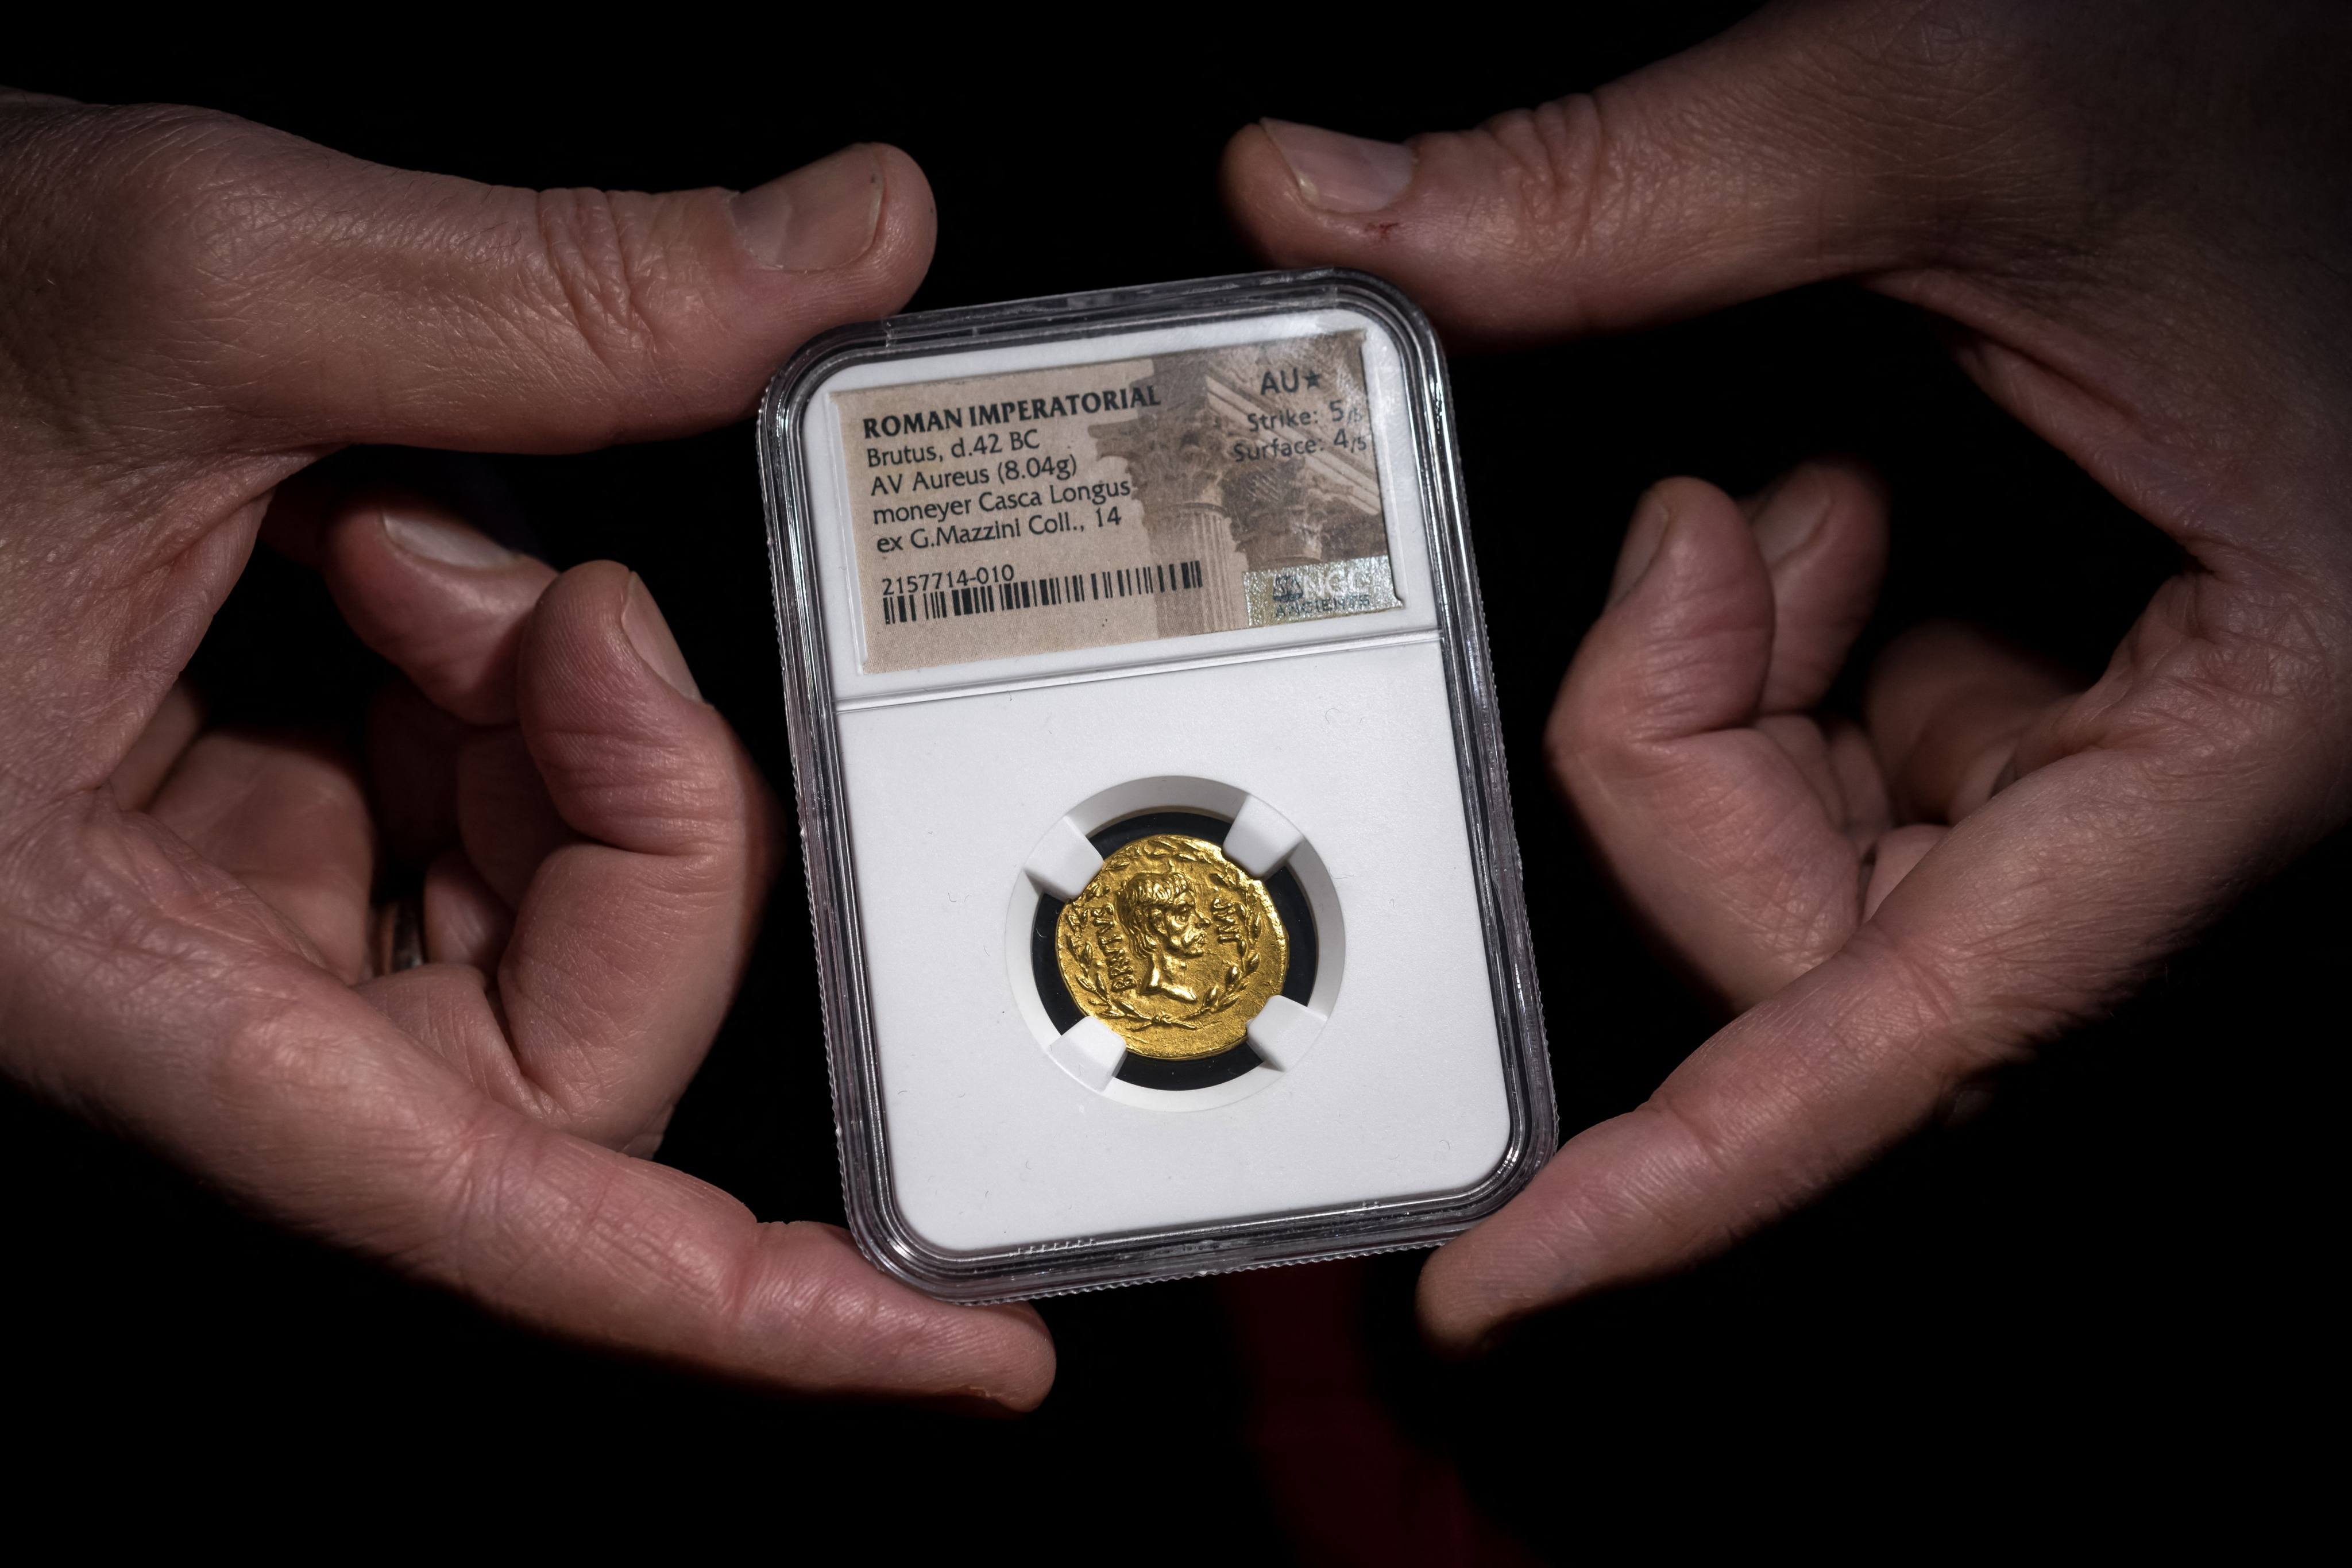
(1283, 1032)
(1261, 838)
(1063, 862)
(1261, 842)
(1090, 1051)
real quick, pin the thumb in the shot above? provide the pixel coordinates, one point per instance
(1766, 158)
(285, 295)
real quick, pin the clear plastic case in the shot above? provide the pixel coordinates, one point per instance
(1167, 905)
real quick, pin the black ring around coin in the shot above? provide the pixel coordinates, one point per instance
(1198, 1072)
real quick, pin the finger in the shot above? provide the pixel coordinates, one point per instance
(291, 1092)
(1717, 838)
(627, 945)
(412, 750)
(2191, 763)
(635, 1255)
(1822, 533)
(1861, 787)
(1895, 857)
(1817, 1080)
(1788, 1097)
(507, 821)
(290, 821)
(1946, 705)
(1807, 749)
(437, 598)
(465, 920)
(315, 298)
(447, 1009)
(1682, 643)
(158, 749)
(1758, 160)
(263, 297)
(1984, 939)
(447, 606)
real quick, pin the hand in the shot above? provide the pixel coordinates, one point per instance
(198, 309)
(2133, 217)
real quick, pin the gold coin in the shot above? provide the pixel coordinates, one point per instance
(1173, 946)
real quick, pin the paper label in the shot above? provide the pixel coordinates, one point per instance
(1033, 511)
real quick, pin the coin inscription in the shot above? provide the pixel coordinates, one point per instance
(1173, 946)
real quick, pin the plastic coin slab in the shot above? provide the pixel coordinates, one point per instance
(1173, 946)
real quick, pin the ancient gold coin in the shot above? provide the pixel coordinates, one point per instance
(1173, 946)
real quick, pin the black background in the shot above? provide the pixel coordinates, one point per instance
(2093, 1294)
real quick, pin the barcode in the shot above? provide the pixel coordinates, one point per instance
(1036, 593)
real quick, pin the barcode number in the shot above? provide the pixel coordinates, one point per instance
(1038, 592)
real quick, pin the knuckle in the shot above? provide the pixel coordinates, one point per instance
(140, 159)
(1701, 1160)
(147, 233)
(601, 275)
(515, 1207)
(1556, 175)
(1915, 998)
(1575, 733)
(1596, 739)
(2220, 688)
(664, 791)
(184, 197)
(1601, 728)
(1974, 1000)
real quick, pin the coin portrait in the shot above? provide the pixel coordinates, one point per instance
(1173, 946)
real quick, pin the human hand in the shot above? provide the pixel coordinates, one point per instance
(198, 309)
(2133, 217)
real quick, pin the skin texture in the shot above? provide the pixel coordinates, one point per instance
(2132, 216)
(198, 309)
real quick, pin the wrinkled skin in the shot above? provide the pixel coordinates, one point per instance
(2134, 218)
(195, 311)
(2131, 216)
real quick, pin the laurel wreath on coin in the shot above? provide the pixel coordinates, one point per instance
(1233, 917)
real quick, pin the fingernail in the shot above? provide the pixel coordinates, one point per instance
(450, 544)
(817, 217)
(1341, 173)
(649, 634)
(1642, 541)
(1791, 518)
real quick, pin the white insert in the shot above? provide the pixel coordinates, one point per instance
(1328, 744)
